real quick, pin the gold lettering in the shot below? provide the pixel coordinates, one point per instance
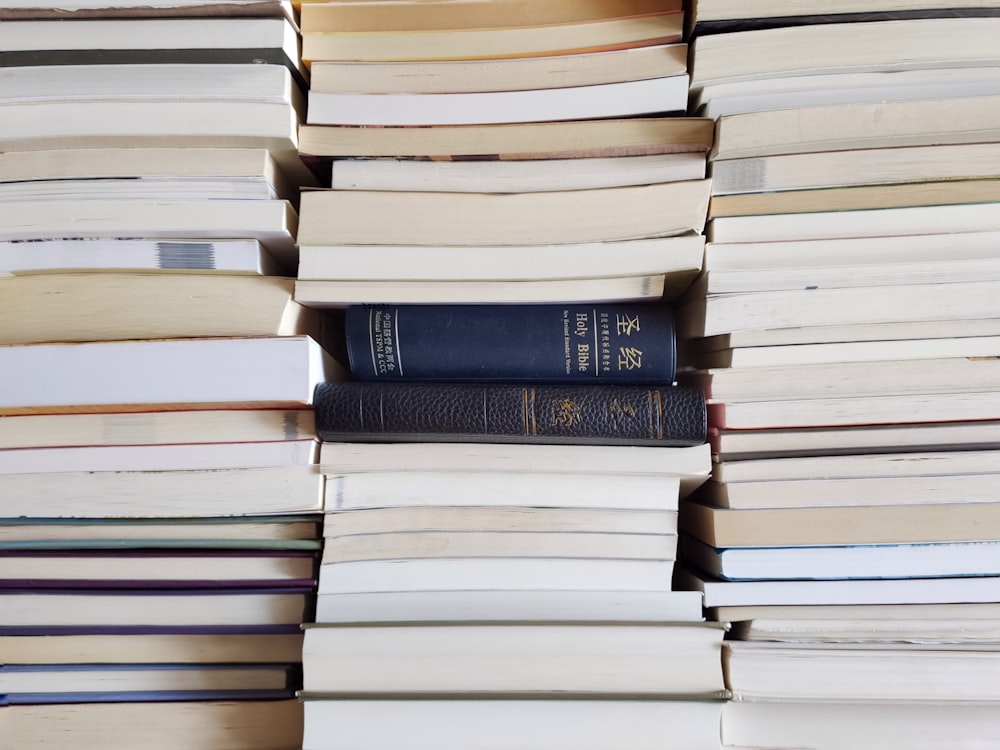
(627, 325)
(565, 413)
(629, 358)
(583, 357)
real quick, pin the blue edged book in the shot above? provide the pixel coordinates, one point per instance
(603, 343)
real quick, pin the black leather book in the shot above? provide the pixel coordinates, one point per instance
(586, 414)
(621, 343)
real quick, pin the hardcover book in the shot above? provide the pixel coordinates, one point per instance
(605, 414)
(511, 343)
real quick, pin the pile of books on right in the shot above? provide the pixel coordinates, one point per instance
(846, 331)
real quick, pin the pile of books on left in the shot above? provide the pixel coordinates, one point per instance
(159, 496)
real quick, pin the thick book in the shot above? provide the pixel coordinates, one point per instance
(191, 724)
(496, 42)
(511, 343)
(318, 16)
(556, 721)
(601, 414)
(619, 99)
(814, 50)
(679, 659)
(512, 74)
(182, 374)
(344, 217)
(838, 562)
(532, 140)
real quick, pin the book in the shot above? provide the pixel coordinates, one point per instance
(927, 623)
(188, 256)
(714, 14)
(661, 659)
(509, 606)
(192, 456)
(619, 99)
(271, 222)
(843, 277)
(464, 14)
(826, 225)
(883, 672)
(105, 306)
(545, 140)
(162, 648)
(148, 569)
(510, 176)
(495, 42)
(273, 372)
(830, 307)
(508, 74)
(154, 9)
(522, 519)
(32, 84)
(890, 440)
(864, 725)
(48, 168)
(145, 41)
(247, 532)
(874, 591)
(857, 197)
(156, 428)
(337, 293)
(526, 343)
(552, 723)
(857, 167)
(418, 412)
(976, 486)
(829, 89)
(532, 488)
(850, 412)
(791, 355)
(165, 494)
(334, 217)
(840, 525)
(932, 560)
(158, 124)
(461, 574)
(818, 49)
(476, 544)
(678, 258)
(197, 724)
(55, 612)
(692, 464)
(846, 379)
(892, 332)
(846, 127)
(914, 463)
(855, 252)
(46, 683)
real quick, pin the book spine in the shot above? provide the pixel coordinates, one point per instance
(604, 414)
(512, 343)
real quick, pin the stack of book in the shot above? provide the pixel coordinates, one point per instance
(491, 152)
(515, 584)
(845, 331)
(159, 493)
(503, 471)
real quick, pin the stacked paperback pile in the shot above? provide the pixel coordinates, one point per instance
(502, 479)
(158, 476)
(510, 190)
(845, 331)
(514, 588)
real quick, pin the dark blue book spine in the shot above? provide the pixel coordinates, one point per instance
(612, 343)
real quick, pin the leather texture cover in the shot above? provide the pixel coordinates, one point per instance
(585, 414)
(512, 343)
